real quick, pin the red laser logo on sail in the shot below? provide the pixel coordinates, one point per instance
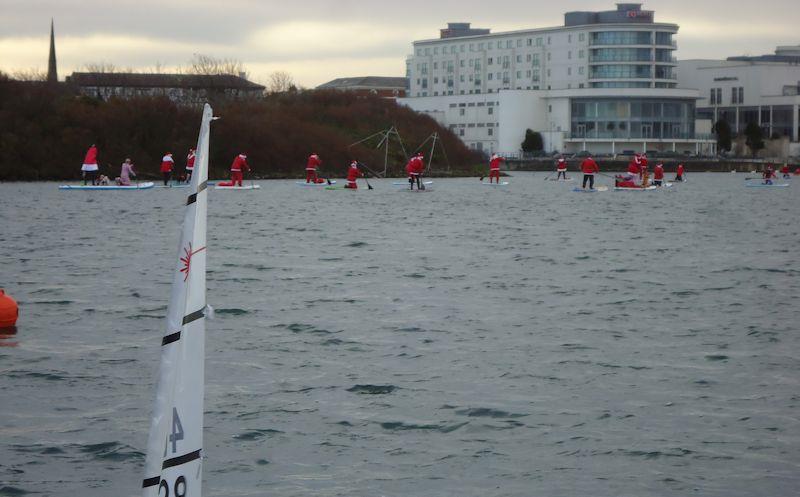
(187, 260)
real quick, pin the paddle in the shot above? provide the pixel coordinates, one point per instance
(420, 184)
(369, 187)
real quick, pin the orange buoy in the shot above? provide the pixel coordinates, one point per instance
(9, 310)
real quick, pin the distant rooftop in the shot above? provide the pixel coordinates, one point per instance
(365, 83)
(626, 13)
(459, 29)
(785, 54)
(221, 81)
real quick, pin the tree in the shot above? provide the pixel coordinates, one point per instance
(33, 74)
(755, 137)
(723, 131)
(533, 141)
(208, 65)
(279, 82)
(104, 67)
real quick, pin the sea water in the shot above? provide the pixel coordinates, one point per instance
(461, 341)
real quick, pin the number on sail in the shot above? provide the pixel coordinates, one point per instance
(177, 430)
(180, 487)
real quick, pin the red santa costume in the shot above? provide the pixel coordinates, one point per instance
(352, 174)
(679, 173)
(658, 175)
(166, 167)
(239, 164)
(415, 168)
(89, 167)
(311, 169)
(561, 168)
(589, 167)
(494, 168)
(189, 165)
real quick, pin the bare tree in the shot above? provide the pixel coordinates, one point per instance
(104, 67)
(206, 64)
(279, 82)
(32, 74)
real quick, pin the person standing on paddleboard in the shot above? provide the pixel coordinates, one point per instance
(189, 165)
(589, 167)
(561, 168)
(785, 171)
(769, 173)
(415, 168)
(353, 173)
(166, 167)
(679, 173)
(494, 168)
(311, 168)
(89, 168)
(658, 175)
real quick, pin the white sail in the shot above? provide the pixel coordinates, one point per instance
(173, 467)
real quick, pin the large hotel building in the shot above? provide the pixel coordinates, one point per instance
(604, 82)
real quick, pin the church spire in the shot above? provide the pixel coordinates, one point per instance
(52, 72)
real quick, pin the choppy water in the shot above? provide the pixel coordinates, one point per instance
(459, 342)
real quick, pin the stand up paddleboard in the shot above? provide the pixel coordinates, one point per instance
(504, 183)
(406, 183)
(245, 187)
(590, 190)
(762, 185)
(561, 180)
(317, 185)
(637, 189)
(140, 186)
(174, 185)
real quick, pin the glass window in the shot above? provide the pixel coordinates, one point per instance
(713, 99)
(621, 38)
(741, 94)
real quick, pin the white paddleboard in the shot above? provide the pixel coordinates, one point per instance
(648, 189)
(406, 183)
(590, 190)
(504, 183)
(140, 186)
(762, 185)
(561, 180)
(245, 187)
(320, 185)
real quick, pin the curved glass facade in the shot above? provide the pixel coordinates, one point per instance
(632, 118)
(622, 38)
(612, 71)
(621, 55)
(620, 84)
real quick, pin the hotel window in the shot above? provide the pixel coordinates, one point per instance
(435, 50)
(462, 48)
(530, 42)
(427, 51)
(471, 47)
(519, 43)
(461, 112)
(580, 54)
(480, 46)
(538, 42)
(580, 70)
(471, 62)
(461, 78)
(741, 94)
(491, 45)
(519, 74)
(510, 44)
(489, 131)
(528, 58)
(713, 99)
(582, 37)
(536, 59)
(549, 40)
(569, 55)
(548, 73)
(489, 61)
(536, 75)
(519, 58)
(569, 71)
(719, 96)
(569, 38)
(490, 110)
(461, 62)
(435, 66)
(734, 94)
(489, 76)
(528, 73)
(549, 56)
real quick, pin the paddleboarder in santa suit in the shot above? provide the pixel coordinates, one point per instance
(239, 164)
(658, 175)
(189, 165)
(311, 168)
(494, 168)
(769, 173)
(89, 167)
(561, 168)
(785, 171)
(353, 173)
(679, 173)
(589, 167)
(166, 167)
(415, 168)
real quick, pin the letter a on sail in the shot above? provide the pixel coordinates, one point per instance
(175, 446)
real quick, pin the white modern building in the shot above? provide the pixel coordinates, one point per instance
(604, 82)
(740, 90)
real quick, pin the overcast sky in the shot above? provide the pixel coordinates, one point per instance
(318, 40)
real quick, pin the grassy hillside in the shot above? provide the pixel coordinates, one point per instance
(45, 131)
